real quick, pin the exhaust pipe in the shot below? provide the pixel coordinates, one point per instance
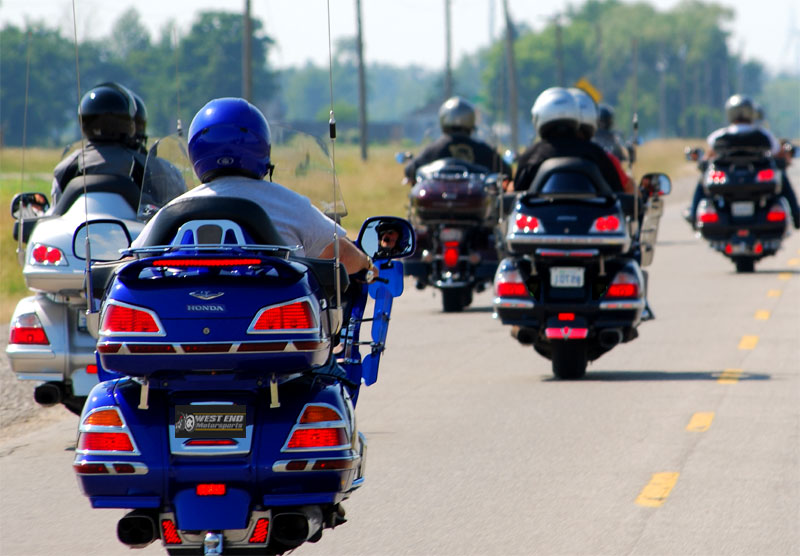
(609, 338)
(524, 336)
(294, 527)
(47, 394)
(137, 529)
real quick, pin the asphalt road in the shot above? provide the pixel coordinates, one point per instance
(685, 441)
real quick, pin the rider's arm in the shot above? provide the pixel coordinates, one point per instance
(353, 258)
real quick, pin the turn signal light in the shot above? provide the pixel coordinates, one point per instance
(260, 531)
(104, 418)
(126, 319)
(27, 330)
(169, 532)
(317, 438)
(293, 316)
(319, 414)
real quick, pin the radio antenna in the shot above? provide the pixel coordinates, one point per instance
(332, 135)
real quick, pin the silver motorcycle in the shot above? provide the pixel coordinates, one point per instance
(49, 340)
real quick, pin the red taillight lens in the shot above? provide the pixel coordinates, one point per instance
(260, 531)
(205, 263)
(610, 223)
(319, 414)
(766, 175)
(511, 289)
(105, 442)
(451, 253)
(317, 438)
(169, 532)
(708, 218)
(104, 418)
(758, 248)
(728, 249)
(27, 330)
(124, 468)
(566, 316)
(46, 255)
(623, 285)
(90, 468)
(210, 489)
(294, 316)
(776, 214)
(333, 464)
(717, 177)
(119, 319)
(527, 223)
(91, 369)
(109, 348)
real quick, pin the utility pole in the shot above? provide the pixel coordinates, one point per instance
(362, 85)
(247, 54)
(513, 115)
(448, 70)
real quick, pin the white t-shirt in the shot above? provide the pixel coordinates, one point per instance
(294, 217)
(735, 129)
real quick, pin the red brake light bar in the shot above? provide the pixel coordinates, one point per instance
(205, 263)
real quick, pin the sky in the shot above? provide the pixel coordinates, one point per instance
(398, 32)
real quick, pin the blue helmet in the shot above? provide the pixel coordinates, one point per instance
(229, 136)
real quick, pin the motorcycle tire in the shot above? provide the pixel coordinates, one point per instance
(455, 299)
(745, 265)
(569, 359)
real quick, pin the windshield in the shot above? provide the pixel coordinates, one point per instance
(302, 163)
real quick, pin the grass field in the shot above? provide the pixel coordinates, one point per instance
(369, 188)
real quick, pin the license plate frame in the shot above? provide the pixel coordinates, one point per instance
(567, 276)
(451, 234)
(210, 421)
(743, 209)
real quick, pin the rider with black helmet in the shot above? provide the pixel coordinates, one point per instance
(106, 116)
(605, 136)
(140, 125)
(745, 128)
(457, 120)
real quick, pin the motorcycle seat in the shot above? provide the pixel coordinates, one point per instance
(569, 177)
(123, 186)
(250, 216)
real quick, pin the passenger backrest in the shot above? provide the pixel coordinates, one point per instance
(123, 186)
(569, 177)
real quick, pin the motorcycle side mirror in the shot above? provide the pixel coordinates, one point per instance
(693, 154)
(656, 183)
(387, 237)
(29, 205)
(403, 157)
(509, 157)
(106, 239)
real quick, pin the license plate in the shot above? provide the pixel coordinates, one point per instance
(451, 234)
(566, 277)
(742, 208)
(210, 421)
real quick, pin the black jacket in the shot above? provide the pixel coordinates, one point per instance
(462, 147)
(530, 160)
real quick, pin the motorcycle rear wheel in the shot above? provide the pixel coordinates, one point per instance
(569, 359)
(455, 299)
(745, 265)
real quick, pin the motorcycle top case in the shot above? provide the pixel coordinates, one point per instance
(215, 313)
(449, 193)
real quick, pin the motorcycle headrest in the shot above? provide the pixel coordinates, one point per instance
(123, 186)
(250, 216)
(591, 183)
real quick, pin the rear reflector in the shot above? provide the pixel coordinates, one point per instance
(169, 533)
(260, 531)
(205, 263)
(210, 442)
(262, 346)
(105, 442)
(210, 489)
(151, 348)
(293, 316)
(317, 438)
(333, 464)
(566, 333)
(206, 348)
(124, 468)
(108, 348)
(104, 418)
(319, 414)
(90, 468)
(296, 465)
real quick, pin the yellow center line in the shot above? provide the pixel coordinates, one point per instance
(784, 275)
(794, 262)
(762, 314)
(774, 293)
(730, 376)
(700, 422)
(655, 493)
(748, 342)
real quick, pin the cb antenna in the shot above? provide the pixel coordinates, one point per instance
(332, 135)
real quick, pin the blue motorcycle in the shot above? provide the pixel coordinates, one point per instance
(230, 369)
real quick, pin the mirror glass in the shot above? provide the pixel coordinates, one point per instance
(106, 240)
(656, 183)
(29, 205)
(509, 157)
(402, 157)
(387, 237)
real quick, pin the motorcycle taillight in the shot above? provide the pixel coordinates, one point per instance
(623, 285)
(48, 256)
(451, 254)
(27, 329)
(122, 319)
(297, 316)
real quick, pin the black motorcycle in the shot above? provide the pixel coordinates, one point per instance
(572, 284)
(742, 215)
(453, 208)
